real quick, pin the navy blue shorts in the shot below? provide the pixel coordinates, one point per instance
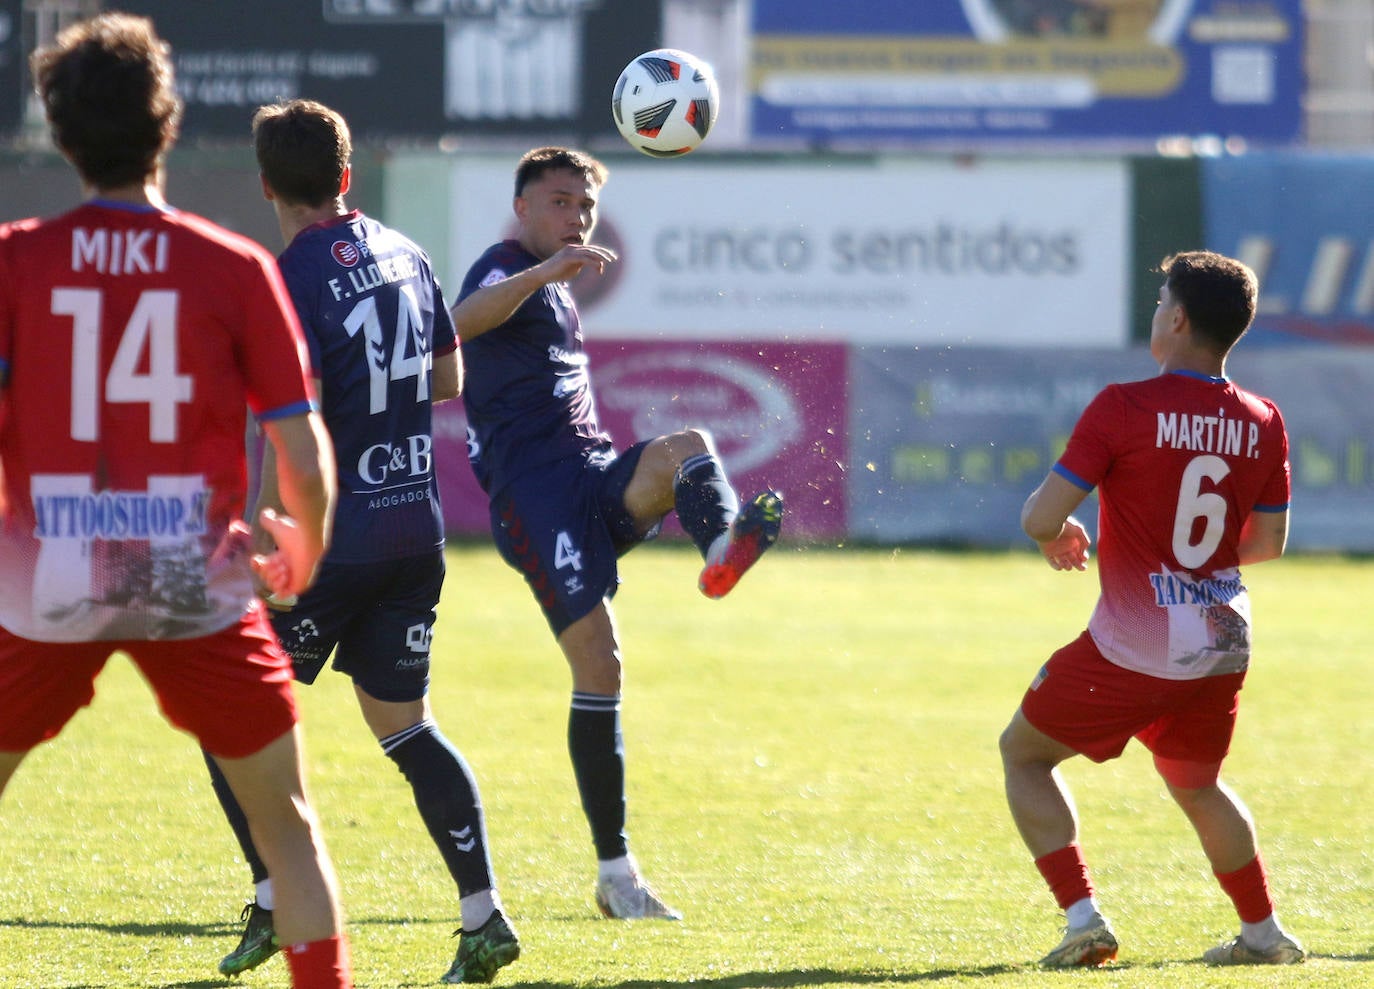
(376, 618)
(564, 526)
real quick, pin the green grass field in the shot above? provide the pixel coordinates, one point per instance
(814, 781)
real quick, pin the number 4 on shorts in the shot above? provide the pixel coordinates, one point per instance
(565, 554)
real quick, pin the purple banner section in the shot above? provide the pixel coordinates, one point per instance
(777, 412)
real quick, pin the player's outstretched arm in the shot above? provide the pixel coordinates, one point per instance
(491, 305)
(307, 485)
(1047, 518)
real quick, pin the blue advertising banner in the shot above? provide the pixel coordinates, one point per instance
(948, 442)
(952, 439)
(1306, 225)
(893, 71)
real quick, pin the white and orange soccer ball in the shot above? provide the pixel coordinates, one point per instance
(665, 102)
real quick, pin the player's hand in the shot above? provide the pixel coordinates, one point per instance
(237, 539)
(288, 570)
(1068, 550)
(572, 258)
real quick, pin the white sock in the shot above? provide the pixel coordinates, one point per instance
(477, 908)
(623, 866)
(262, 892)
(1082, 914)
(1262, 935)
(719, 545)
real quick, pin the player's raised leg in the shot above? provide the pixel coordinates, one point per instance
(682, 472)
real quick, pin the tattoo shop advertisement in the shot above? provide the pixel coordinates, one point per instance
(956, 438)
(987, 252)
(776, 410)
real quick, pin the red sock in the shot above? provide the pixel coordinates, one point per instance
(1067, 875)
(1248, 888)
(320, 964)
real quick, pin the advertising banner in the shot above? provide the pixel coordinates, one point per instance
(1323, 393)
(957, 438)
(1114, 70)
(777, 413)
(1306, 225)
(987, 252)
(406, 68)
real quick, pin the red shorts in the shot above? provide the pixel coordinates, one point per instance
(232, 690)
(1095, 707)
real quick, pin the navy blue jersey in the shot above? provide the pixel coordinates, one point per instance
(527, 393)
(374, 316)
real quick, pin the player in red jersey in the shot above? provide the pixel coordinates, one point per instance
(1193, 480)
(132, 340)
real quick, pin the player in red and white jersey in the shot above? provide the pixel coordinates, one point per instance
(132, 339)
(1193, 480)
(1180, 462)
(133, 334)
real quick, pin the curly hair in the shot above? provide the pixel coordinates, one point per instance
(110, 97)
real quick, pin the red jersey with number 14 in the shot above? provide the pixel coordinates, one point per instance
(133, 340)
(1180, 462)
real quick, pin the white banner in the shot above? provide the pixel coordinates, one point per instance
(989, 252)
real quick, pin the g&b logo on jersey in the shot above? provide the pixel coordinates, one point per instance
(410, 461)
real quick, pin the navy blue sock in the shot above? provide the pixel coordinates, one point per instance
(598, 759)
(447, 798)
(705, 502)
(233, 813)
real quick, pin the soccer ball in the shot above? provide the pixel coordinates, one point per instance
(665, 102)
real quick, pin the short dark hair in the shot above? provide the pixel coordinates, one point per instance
(538, 162)
(110, 97)
(302, 148)
(1218, 293)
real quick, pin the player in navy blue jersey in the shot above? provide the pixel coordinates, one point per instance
(383, 349)
(565, 504)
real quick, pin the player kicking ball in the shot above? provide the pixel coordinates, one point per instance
(565, 504)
